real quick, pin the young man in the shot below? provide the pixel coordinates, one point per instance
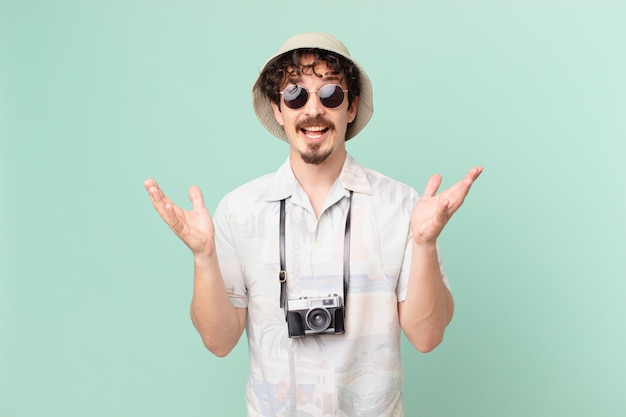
(323, 261)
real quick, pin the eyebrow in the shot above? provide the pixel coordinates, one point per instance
(332, 77)
(328, 76)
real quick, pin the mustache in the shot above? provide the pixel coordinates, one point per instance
(314, 121)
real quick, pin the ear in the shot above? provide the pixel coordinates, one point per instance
(352, 109)
(278, 115)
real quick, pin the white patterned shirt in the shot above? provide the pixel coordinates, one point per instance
(358, 373)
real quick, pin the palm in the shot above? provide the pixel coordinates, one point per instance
(432, 211)
(194, 227)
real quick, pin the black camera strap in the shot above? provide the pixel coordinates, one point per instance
(282, 275)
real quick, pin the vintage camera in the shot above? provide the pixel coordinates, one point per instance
(315, 315)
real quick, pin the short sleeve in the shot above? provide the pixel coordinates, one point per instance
(227, 256)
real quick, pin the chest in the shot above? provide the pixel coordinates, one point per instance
(314, 248)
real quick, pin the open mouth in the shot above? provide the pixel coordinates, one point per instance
(314, 132)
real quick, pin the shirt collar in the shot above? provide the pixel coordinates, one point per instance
(284, 183)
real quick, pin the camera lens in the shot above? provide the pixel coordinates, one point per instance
(318, 319)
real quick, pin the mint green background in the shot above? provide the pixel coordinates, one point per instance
(95, 96)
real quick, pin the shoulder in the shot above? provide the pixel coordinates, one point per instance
(247, 196)
(388, 190)
(371, 182)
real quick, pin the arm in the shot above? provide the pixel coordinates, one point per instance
(428, 306)
(219, 323)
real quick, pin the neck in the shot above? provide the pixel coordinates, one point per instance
(317, 180)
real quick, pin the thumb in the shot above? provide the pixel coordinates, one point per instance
(195, 195)
(432, 185)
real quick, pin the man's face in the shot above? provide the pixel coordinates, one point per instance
(314, 131)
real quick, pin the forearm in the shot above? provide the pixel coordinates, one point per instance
(219, 323)
(428, 306)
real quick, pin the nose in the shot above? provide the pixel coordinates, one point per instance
(313, 106)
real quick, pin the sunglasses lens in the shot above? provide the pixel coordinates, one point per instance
(295, 96)
(331, 95)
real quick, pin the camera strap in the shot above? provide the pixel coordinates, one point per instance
(282, 275)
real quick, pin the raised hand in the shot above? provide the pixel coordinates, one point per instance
(193, 227)
(432, 211)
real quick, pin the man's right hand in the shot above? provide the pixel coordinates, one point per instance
(193, 227)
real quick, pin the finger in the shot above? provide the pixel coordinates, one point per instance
(474, 173)
(163, 205)
(153, 189)
(195, 195)
(432, 185)
(149, 182)
(171, 215)
(151, 186)
(459, 191)
(468, 181)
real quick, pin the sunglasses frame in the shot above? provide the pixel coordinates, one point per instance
(309, 92)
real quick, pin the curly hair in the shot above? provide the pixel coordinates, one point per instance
(288, 68)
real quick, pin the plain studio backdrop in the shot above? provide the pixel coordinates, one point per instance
(96, 96)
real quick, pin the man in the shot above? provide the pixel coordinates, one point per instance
(323, 261)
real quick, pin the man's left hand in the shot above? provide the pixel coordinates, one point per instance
(433, 211)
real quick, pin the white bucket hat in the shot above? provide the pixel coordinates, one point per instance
(261, 102)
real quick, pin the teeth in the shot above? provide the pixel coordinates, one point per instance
(314, 128)
(313, 135)
(314, 132)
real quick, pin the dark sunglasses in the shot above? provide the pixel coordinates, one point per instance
(330, 95)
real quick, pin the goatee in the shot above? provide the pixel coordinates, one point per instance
(313, 156)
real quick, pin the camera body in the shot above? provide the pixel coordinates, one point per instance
(315, 316)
